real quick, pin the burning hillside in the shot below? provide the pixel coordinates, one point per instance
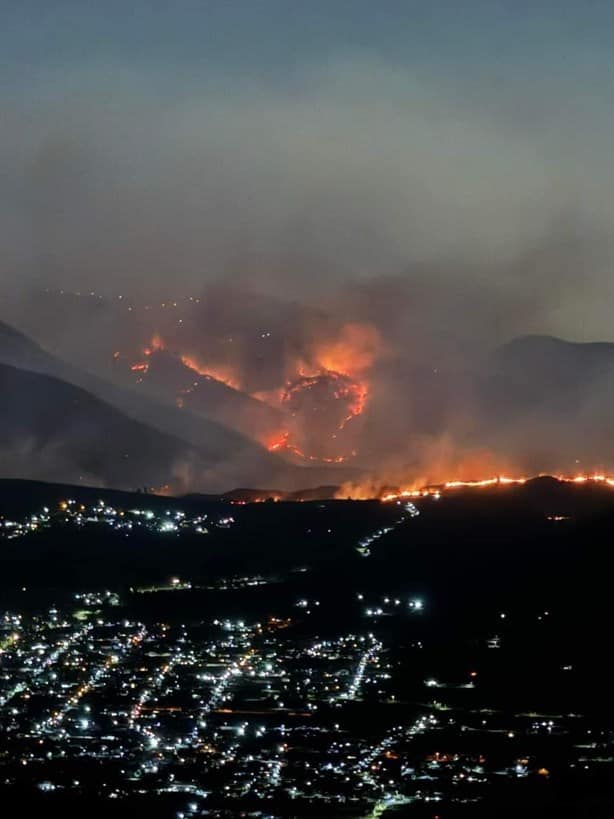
(320, 407)
(388, 494)
(313, 392)
(311, 412)
(359, 380)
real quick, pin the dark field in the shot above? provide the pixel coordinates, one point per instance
(489, 612)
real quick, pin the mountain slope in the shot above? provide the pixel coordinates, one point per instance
(55, 431)
(548, 404)
(169, 379)
(549, 370)
(20, 351)
(219, 458)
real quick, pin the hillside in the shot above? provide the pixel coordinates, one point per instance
(546, 404)
(55, 431)
(212, 457)
(20, 351)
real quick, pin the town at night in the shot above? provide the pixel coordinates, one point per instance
(199, 666)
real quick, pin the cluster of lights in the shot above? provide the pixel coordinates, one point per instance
(237, 700)
(364, 545)
(72, 512)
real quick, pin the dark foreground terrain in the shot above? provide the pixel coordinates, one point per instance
(437, 658)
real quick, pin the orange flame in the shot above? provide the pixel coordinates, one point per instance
(358, 394)
(336, 385)
(355, 392)
(498, 480)
(353, 352)
(154, 346)
(218, 373)
(343, 360)
(281, 442)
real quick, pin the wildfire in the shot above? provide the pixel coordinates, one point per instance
(353, 352)
(278, 442)
(155, 345)
(320, 404)
(498, 480)
(357, 394)
(353, 393)
(218, 373)
(324, 392)
(326, 388)
(281, 442)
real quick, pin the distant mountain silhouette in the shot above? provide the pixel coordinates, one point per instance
(549, 403)
(548, 371)
(54, 430)
(20, 351)
(200, 453)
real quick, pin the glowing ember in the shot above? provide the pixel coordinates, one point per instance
(320, 404)
(282, 443)
(207, 371)
(155, 345)
(279, 442)
(328, 384)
